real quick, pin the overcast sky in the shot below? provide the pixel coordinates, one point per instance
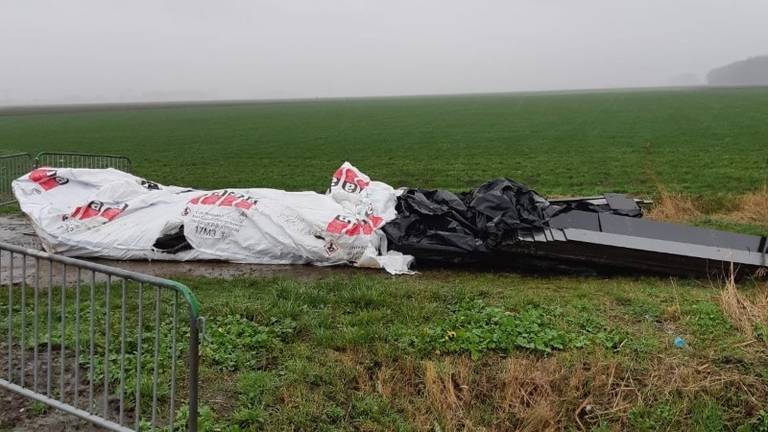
(131, 50)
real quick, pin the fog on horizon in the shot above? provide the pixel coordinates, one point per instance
(81, 51)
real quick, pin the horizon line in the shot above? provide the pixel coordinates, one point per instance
(149, 104)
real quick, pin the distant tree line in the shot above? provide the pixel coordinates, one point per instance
(750, 72)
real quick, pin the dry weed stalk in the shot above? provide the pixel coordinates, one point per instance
(752, 208)
(673, 206)
(531, 393)
(744, 313)
(447, 391)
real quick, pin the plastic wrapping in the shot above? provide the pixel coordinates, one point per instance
(111, 214)
(438, 225)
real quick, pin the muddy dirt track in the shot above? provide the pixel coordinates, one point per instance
(19, 414)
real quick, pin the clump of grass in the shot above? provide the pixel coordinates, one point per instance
(476, 328)
(746, 213)
(752, 208)
(674, 206)
(447, 391)
(527, 392)
(234, 342)
(749, 316)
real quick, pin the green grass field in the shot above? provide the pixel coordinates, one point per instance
(447, 350)
(701, 142)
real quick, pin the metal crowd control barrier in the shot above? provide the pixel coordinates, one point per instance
(16, 165)
(79, 339)
(12, 167)
(82, 160)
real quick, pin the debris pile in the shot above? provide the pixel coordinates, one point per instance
(111, 214)
(505, 224)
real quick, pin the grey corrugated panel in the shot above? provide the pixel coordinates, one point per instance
(620, 202)
(576, 219)
(525, 235)
(670, 247)
(558, 235)
(574, 199)
(600, 199)
(641, 228)
(538, 235)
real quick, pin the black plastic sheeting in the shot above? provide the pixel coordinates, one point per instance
(442, 226)
(173, 243)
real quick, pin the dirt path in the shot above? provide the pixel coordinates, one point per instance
(17, 413)
(16, 230)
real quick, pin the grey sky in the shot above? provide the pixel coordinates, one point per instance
(97, 51)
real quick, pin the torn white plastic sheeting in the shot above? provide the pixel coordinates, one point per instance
(112, 214)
